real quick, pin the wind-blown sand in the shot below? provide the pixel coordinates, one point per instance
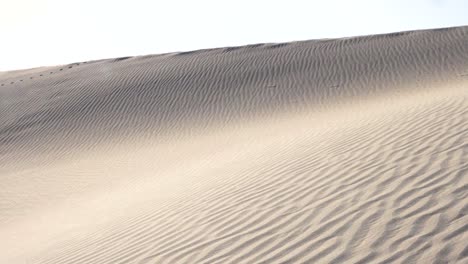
(347, 150)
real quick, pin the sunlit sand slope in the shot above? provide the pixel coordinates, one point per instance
(327, 151)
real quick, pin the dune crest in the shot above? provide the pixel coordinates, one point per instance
(349, 150)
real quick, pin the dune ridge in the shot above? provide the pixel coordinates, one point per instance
(349, 150)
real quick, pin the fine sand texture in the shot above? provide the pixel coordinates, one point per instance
(351, 150)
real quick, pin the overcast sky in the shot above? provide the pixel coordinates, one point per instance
(37, 33)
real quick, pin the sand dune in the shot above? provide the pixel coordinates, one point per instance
(347, 150)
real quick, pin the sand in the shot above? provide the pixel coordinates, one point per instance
(350, 150)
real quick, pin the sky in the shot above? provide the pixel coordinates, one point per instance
(37, 33)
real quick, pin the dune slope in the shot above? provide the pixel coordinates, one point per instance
(347, 150)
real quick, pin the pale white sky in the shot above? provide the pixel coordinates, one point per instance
(37, 33)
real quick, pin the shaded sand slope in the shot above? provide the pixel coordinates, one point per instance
(329, 151)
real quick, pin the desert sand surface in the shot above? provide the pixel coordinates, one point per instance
(351, 150)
